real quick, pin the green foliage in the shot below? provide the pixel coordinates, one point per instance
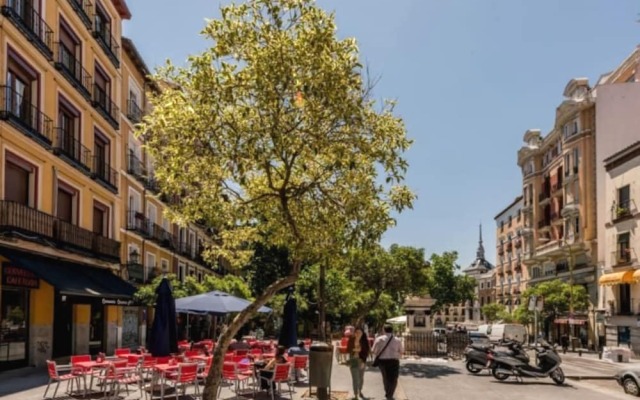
(340, 293)
(270, 135)
(444, 285)
(522, 315)
(492, 310)
(558, 296)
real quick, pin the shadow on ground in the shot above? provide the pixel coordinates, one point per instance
(418, 370)
(22, 379)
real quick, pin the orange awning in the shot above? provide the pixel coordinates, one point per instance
(617, 278)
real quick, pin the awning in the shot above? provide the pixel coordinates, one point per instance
(617, 278)
(636, 275)
(74, 279)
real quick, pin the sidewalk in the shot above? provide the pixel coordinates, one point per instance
(590, 366)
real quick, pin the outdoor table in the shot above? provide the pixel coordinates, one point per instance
(89, 365)
(159, 372)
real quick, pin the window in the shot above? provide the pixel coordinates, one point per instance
(624, 250)
(536, 272)
(151, 265)
(181, 272)
(101, 154)
(100, 219)
(501, 226)
(199, 276)
(103, 24)
(165, 265)
(20, 179)
(510, 218)
(69, 50)
(576, 160)
(102, 88)
(68, 132)
(624, 199)
(67, 203)
(22, 89)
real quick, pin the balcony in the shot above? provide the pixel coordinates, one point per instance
(102, 33)
(500, 250)
(35, 225)
(509, 246)
(24, 116)
(72, 70)
(621, 257)
(134, 113)
(623, 211)
(103, 172)
(159, 235)
(507, 268)
(557, 187)
(136, 168)
(28, 20)
(544, 224)
(107, 108)
(151, 184)
(137, 222)
(517, 243)
(543, 197)
(69, 148)
(84, 9)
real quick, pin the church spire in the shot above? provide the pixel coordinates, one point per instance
(480, 252)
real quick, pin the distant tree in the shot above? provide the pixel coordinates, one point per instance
(444, 285)
(491, 311)
(146, 294)
(558, 296)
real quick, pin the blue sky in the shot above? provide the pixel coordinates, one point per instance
(471, 76)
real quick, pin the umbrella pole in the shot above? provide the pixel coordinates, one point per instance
(188, 323)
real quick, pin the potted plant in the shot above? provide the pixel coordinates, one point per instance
(622, 211)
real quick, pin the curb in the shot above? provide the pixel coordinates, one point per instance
(590, 377)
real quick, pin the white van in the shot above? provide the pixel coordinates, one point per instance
(498, 332)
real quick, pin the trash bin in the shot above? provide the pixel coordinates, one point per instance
(320, 363)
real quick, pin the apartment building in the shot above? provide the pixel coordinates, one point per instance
(60, 194)
(483, 272)
(559, 203)
(81, 218)
(618, 182)
(511, 277)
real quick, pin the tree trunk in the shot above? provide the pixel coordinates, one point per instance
(212, 382)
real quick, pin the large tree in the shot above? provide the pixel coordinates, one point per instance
(558, 297)
(271, 136)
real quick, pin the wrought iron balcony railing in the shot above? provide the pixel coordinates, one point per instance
(134, 113)
(84, 9)
(136, 167)
(70, 147)
(39, 226)
(102, 102)
(109, 44)
(29, 21)
(72, 70)
(19, 111)
(103, 172)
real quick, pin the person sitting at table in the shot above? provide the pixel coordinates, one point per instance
(298, 350)
(267, 371)
(239, 345)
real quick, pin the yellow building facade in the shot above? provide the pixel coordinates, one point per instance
(81, 220)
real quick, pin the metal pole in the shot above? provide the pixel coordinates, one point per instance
(535, 324)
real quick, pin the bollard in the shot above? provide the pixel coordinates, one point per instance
(580, 353)
(600, 355)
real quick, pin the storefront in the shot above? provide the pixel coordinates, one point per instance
(52, 308)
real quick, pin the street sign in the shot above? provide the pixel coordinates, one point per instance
(532, 303)
(540, 304)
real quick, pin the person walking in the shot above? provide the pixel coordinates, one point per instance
(388, 350)
(358, 350)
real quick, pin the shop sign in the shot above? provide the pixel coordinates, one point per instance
(116, 302)
(18, 277)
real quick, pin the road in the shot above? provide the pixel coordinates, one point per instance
(439, 379)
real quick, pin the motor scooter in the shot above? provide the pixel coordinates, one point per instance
(547, 365)
(477, 357)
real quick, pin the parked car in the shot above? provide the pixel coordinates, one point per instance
(629, 378)
(479, 338)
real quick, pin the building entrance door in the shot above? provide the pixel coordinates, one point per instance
(62, 328)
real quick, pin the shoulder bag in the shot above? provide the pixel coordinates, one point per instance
(376, 360)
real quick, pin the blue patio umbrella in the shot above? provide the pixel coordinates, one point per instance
(215, 302)
(288, 332)
(163, 338)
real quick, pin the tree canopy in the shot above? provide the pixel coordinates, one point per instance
(558, 296)
(445, 285)
(271, 136)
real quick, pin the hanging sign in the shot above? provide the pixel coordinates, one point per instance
(18, 277)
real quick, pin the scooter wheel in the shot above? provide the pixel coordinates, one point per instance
(471, 367)
(498, 375)
(558, 376)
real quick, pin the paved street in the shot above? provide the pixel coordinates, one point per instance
(419, 379)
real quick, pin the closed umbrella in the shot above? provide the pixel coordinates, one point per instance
(163, 338)
(288, 332)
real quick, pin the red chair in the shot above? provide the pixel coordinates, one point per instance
(342, 349)
(54, 376)
(256, 351)
(280, 376)
(122, 352)
(205, 372)
(83, 372)
(192, 353)
(187, 375)
(241, 352)
(300, 363)
(231, 375)
(115, 374)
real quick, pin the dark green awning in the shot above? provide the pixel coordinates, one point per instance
(72, 278)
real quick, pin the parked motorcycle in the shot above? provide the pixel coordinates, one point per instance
(479, 357)
(547, 364)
